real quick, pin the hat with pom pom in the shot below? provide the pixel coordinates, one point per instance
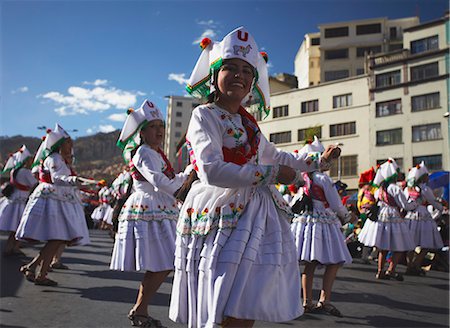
(416, 173)
(387, 172)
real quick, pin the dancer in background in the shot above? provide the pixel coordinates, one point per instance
(12, 206)
(53, 213)
(145, 240)
(390, 233)
(422, 225)
(235, 255)
(318, 236)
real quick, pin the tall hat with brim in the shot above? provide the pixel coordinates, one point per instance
(387, 172)
(129, 137)
(237, 44)
(51, 142)
(17, 160)
(416, 173)
(366, 177)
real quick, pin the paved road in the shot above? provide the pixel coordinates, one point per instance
(90, 295)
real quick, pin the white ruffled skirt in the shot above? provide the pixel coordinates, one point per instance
(318, 237)
(391, 232)
(54, 212)
(11, 210)
(99, 212)
(424, 229)
(145, 239)
(248, 272)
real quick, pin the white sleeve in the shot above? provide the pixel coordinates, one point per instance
(25, 177)
(331, 194)
(428, 195)
(272, 155)
(58, 171)
(148, 163)
(400, 198)
(205, 134)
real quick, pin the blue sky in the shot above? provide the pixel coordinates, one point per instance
(83, 63)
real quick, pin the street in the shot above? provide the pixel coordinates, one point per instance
(90, 295)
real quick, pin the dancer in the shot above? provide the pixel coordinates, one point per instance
(390, 232)
(422, 225)
(53, 212)
(235, 255)
(12, 206)
(145, 240)
(318, 235)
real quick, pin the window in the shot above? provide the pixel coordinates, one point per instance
(426, 132)
(336, 75)
(309, 133)
(393, 34)
(423, 72)
(432, 162)
(368, 29)
(425, 102)
(342, 100)
(389, 137)
(310, 106)
(179, 104)
(362, 51)
(336, 32)
(178, 114)
(395, 46)
(257, 115)
(387, 108)
(349, 166)
(336, 53)
(342, 129)
(399, 162)
(360, 71)
(388, 79)
(280, 137)
(280, 111)
(426, 44)
(177, 134)
(178, 124)
(315, 41)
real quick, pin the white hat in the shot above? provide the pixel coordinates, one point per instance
(237, 44)
(416, 173)
(129, 137)
(386, 172)
(17, 159)
(50, 142)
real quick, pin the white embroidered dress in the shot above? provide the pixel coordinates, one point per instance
(422, 225)
(54, 210)
(11, 209)
(235, 255)
(318, 235)
(99, 212)
(391, 231)
(145, 239)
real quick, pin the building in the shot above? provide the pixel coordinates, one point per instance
(338, 112)
(409, 95)
(339, 50)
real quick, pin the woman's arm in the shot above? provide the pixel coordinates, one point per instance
(400, 198)
(59, 171)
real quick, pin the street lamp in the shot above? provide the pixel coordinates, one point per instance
(339, 144)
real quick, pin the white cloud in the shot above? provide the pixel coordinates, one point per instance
(106, 128)
(82, 100)
(208, 33)
(20, 90)
(179, 78)
(209, 30)
(90, 131)
(118, 117)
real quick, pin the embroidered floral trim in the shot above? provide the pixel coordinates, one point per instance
(266, 175)
(142, 212)
(65, 194)
(316, 219)
(389, 219)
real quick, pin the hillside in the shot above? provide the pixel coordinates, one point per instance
(96, 156)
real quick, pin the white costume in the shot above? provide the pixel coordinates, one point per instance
(318, 234)
(145, 239)
(11, 208)
(422, 225)
(54, 210)
(391, 231)
(99, 212)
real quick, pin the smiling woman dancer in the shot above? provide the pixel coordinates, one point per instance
(235, 259)
(145, 240)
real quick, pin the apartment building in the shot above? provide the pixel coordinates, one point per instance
(339, 50)
(337, 112)
(409, 96)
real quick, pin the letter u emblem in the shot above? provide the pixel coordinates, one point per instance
(150, 104)
(245, 38)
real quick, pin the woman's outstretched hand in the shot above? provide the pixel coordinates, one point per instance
(332, 152)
